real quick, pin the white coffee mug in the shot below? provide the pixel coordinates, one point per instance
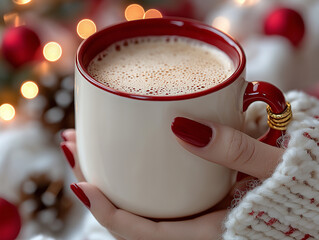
(125, 145)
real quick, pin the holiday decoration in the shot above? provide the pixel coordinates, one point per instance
(287, 23)
(44, 200)
(10, 221)
(29, 89)
(58, 108)
(7, 112)
(85, 28)
(136, 11)
(52, 51)
(20, 45)
(158, 8)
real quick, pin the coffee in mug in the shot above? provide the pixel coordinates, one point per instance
(161, 65)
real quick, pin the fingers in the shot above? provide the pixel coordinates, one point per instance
(69, 150)
(68, 147)
(68, 135)
(129, 226)
(124, 224)
(228, 147)
(208, 226)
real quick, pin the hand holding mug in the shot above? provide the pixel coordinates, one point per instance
(219, 144)
(125, 147)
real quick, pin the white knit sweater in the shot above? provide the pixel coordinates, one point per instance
(285, 206)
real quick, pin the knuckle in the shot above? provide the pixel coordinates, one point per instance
(241, 150)
(235, 147)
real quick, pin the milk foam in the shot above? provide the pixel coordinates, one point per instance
(159, 66)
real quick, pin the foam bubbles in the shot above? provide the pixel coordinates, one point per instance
(161, 66)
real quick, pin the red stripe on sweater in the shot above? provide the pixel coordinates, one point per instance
(271, 221)
(260, 214)
(306, 237)
(290, 231)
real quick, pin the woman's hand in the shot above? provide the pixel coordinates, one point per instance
(213, 142)
(227, 147)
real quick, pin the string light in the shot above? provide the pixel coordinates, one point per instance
(12, 19)
(134, 12)
(52, 51)
(29, 90)
(152, 13)
(240, 2)
(21, 2)
(222, 23)
(85, 28)
(246, 2)
(42, 68)
(7, 112)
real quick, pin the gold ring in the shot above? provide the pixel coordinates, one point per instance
(279, 121)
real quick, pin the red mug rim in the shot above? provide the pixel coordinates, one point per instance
(161, 26)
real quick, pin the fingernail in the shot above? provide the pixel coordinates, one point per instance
(192, 132)
(63, 136)
(68, 154)
(80, 194)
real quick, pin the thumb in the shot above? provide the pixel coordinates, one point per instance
(228, 147)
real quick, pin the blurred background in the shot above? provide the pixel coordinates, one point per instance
(39, 39)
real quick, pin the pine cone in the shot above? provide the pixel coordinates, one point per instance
(44, 201)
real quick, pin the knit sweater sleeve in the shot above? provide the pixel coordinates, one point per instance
(285, 206)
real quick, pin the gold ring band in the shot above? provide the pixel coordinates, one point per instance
(285, 113)
(279, 121)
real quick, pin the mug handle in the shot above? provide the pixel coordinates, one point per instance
(278, 110)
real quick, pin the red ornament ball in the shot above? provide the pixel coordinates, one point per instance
(19, 45)
(10, 221)
(287, 23)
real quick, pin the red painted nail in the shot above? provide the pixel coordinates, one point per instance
(192, 132)
(68, 154)
(63, 136)
(80, 194)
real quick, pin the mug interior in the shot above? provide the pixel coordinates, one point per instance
(99, 41)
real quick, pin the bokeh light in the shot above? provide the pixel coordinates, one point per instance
(134, 12)
(240, 2)
(222, 23)
(7, 112)
(246, 2)
(12, 19)
(21, 2)
(52, 51)
(42, 68)
(29, 90)
(85, 28)
(152, 13)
